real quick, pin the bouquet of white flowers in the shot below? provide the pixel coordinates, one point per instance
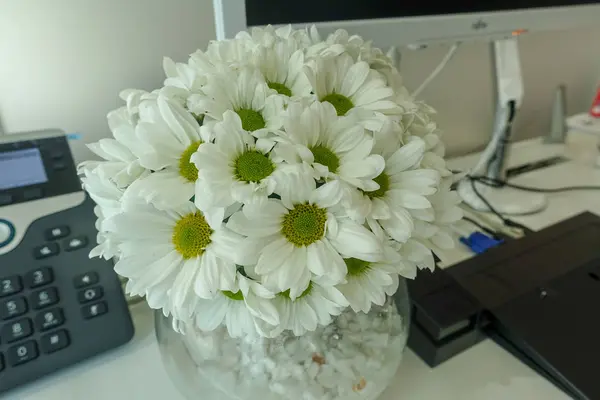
(275, 180)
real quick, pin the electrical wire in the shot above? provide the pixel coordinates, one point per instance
(449, 55)
(505, 221)
(500, 183)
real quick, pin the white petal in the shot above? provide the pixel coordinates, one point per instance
(355, 77)
(180, 292)
(368, 168)
(356, 241)
(415, 251)
(254, 227)
(331, 225)
(182, 124)
(337, 268)
(406, 157)
(297, 190)
(306, 317)
(226, 244)
(262, 309)
(274, 255)
(408, 199)
(207, 280)
(214, 217)
(164, 189)
(158, 270)
(298, 276)
(380, 209)
(334, 295)
(317, 258)
(212, 314)
(400, 226)
(407, 270)
(328, 195)
(230, 138)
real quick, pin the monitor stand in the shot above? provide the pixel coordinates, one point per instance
(492, 164)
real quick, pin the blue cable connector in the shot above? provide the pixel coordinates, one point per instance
(479, 242)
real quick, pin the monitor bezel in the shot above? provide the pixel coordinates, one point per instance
(230, 18)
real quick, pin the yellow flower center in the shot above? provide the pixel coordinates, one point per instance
(341, 103)
(356, 267)
(384, 184)
(187, 169)
(326, 157)
(305, 224)
(253, 166)
(191, 235)
(280, 88)
(251, 120)
(199, 118)
(237, 296)
(306, 292)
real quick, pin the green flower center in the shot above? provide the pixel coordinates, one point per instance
(305, 224)
(341, 103)
(326, 157)
(251, 120)
(356, 267)
(253, 166)
(384, 184)
(199, 118)
(187, 169)
(280, 88)
(306, 292)
(237, 296)
(191, 235)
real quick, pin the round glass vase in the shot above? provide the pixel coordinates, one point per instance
(354, 357)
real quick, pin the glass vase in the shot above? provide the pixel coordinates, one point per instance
(354, 357)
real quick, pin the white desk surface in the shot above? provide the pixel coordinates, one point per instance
(484, 372)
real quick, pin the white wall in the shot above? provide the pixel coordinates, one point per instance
(463, 95)
(63, 63)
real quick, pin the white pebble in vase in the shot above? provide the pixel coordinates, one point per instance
(353, 358)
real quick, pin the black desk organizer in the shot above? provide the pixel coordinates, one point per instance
(538, 297)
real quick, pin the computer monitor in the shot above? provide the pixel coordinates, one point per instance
(396, 23)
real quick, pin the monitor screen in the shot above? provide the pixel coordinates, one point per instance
(263, 12)
(21, 168)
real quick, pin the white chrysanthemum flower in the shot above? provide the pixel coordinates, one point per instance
(246, 93)
(236, 168)
(434, 226)
(299, 236)
(107, 197)
(120, 163)
(314, 307)
(275, 179)
(266, 35)
(341, 41)
(352, 87)
(183, 76)
(403, 186)
(420, 124)
(176, 246)
(187, 79)
(244, 311)
(337, 148)
(369, 283)
(168, 135)
(282, 66)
